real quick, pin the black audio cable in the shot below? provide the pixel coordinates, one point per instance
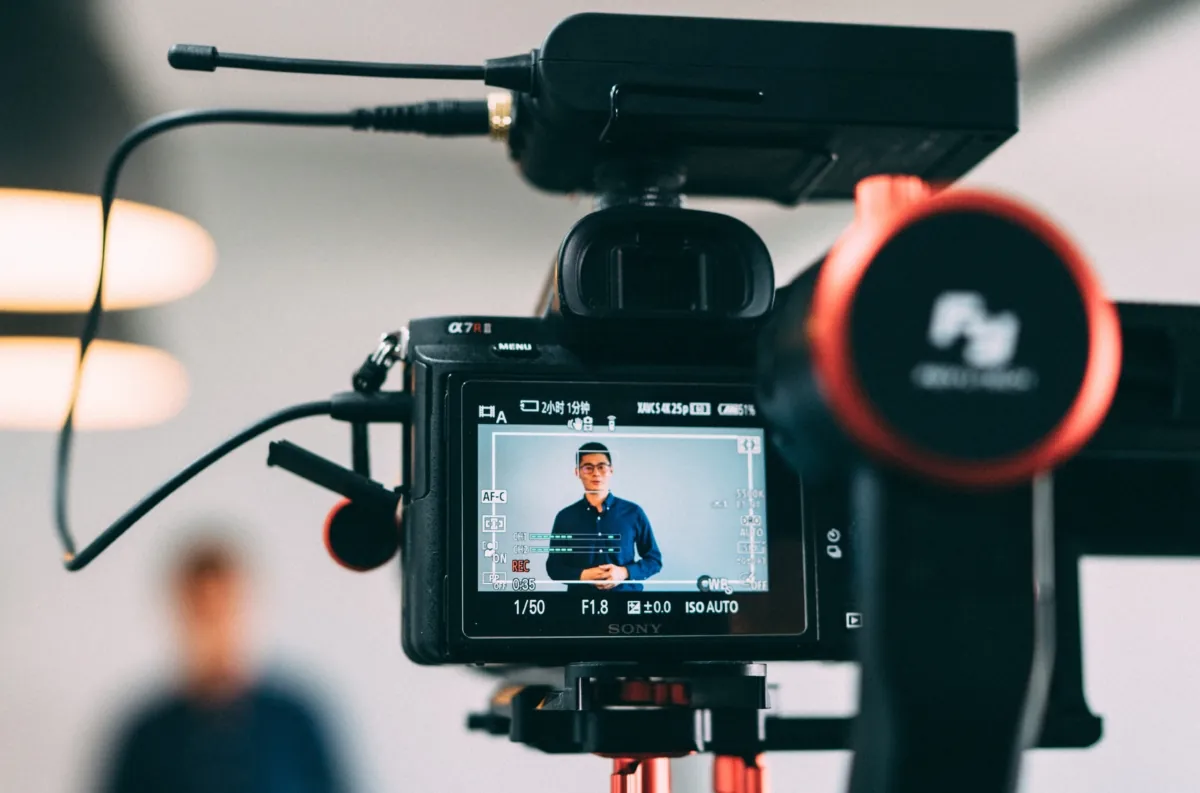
(77, 561)
(352, 406)
(442, 117)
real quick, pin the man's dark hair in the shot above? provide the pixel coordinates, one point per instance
(207, 559)
(592, 448)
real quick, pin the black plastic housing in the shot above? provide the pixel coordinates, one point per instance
(633, 282)
(784, 111)
(664, 266)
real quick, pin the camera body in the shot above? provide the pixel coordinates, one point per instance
(496, 508)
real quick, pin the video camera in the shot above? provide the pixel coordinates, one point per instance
(675, 469)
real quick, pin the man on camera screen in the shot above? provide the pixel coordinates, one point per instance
(599, 534)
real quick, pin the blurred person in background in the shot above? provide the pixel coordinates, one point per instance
(221, 729)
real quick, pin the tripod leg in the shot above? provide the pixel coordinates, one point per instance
(729, 774)
(641, 775)
(656, 775)
(625, 778)
(734, 774)
(756, 775)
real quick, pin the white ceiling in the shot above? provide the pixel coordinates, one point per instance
(1113, 155)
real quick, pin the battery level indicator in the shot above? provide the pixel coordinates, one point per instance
(731, 409)
(529, 405)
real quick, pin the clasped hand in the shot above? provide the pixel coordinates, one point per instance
(606, 576)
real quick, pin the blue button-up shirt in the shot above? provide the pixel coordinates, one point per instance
(609, 536)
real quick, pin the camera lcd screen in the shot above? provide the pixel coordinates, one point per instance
(644, 508)
(625, 510)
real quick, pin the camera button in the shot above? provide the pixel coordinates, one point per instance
(515, 349)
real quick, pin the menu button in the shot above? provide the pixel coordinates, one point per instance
(515, 349)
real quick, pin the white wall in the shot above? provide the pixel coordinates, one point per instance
(325, 241)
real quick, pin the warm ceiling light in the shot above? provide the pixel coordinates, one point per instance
(124, 385)
(50, 253)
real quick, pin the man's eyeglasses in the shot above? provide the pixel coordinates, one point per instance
(590, 468)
